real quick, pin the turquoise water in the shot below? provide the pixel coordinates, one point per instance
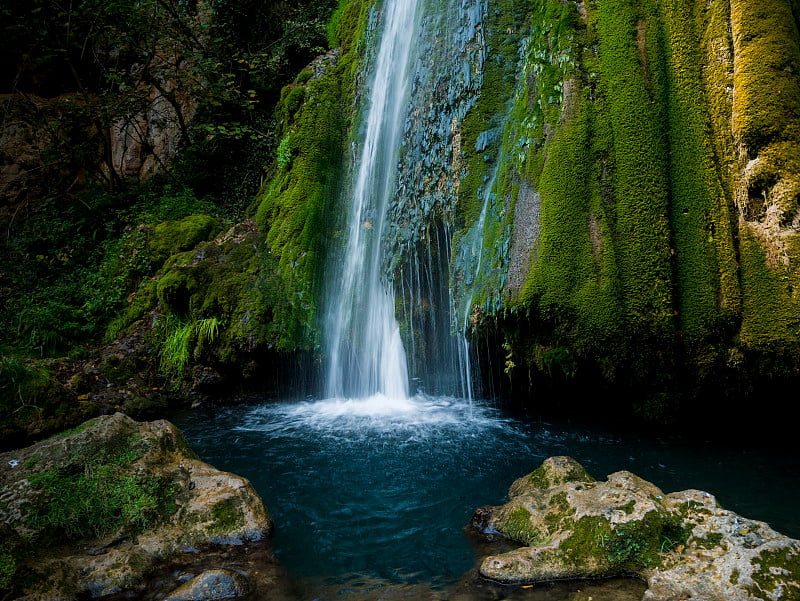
(382, 489)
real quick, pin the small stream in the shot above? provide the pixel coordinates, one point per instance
(376, 492)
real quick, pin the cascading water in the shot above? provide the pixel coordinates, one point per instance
(427, 72)
(366, 353)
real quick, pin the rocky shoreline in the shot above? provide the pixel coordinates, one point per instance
(94, 511)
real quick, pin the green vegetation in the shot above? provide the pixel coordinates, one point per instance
(227, 515)
(8, 566)
(491, 143)
(664, 176)
(295, 205)
(542, 478)
(517, 526)
(99, 497)
(30, 395)
(773, 319)
(785, 562)
(620, 119)
(182, 340)
(627, 548)
(138, 131)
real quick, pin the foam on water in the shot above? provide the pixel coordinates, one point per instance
(419, 417)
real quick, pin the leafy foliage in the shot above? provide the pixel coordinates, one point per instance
(22, 388)
(181, 339)
(80, 262)
(75, 254)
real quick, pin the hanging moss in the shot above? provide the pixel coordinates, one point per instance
(293, 205)
(640, 184)
(772, 317)
(706, 283)
(568, 278)
(767, 61)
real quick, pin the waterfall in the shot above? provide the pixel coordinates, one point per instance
(424, 78)
(366, 353)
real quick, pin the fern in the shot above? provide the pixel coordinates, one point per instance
(176, 348)
(206, 330)
(184, 339)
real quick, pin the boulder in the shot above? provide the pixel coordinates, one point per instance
(93, 511)
(210, 586)
(683, 544)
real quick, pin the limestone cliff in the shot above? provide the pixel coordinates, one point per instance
(626, 178)
(647, 197)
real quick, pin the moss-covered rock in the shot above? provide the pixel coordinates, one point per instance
(216, 302)
(295, 210)
(171, 237)
(131, 493)
(682, 543)
(644, 157)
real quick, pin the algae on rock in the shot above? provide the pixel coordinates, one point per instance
(657, 148)
(681, 544)
(132, 493)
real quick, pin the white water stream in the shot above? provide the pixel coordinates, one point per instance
(366, 354)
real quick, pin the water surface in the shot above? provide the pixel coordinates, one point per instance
(381, 489)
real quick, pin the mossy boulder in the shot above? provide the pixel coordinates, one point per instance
(218, 278)
(95, 510)
(172, 237)
(682, 544)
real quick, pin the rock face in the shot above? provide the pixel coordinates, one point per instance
(93, 511)
(682, 544)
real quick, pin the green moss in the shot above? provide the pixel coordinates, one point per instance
(560, 501)
(493, 136)
(713, 539)
(173, 292)
(778, 572)
(32, 461)
(544, 478)
(227, 515)
(640, 176)
(100, 498)
(707, 290)
(517, 526)
(8, 566)
(293, 205)
(221, 294)
(630, 547)
(771, 316)
(571, 277)
(767, 99)
(172, 237)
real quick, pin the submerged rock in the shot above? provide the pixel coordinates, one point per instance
(93, 511)
(682, 544)
(211, 585)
